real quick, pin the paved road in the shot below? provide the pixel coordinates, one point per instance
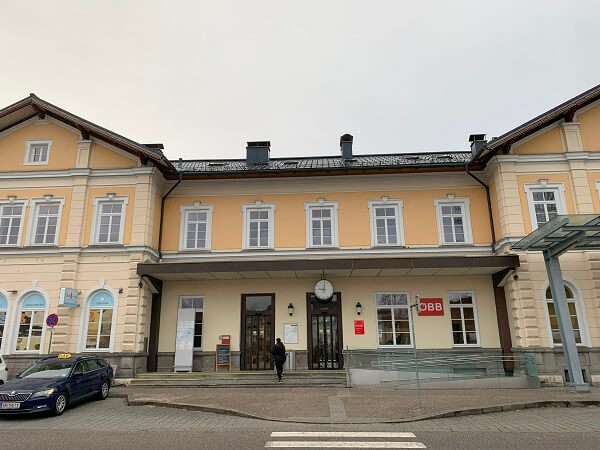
(111, 424)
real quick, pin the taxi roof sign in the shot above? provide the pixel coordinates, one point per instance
(64, 356)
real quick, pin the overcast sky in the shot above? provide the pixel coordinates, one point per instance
(204, 77)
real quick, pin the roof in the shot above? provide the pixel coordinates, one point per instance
(324, 164)
(33, 106)
(564, 111)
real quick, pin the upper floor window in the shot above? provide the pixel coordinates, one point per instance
(196, 224)
(109, 219)
(463, 314)
(386, 222)
(454, 221)
(37, 152)
(321, 224)
(258, 225)
(45, 222)
(546, 201)
(11, 221)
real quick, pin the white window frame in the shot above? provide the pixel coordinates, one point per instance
(257, 206)
(5, 334)
(410, 319)
(181, 298)
(98, 202)
(465, 203)
(85, 314)
(559, 195)
(581, 315)
(322, 204)
(475, 318)
(12, 201)
(386, 202)
(31, 229)
(183, 211)
(29, 156)
(17, 322)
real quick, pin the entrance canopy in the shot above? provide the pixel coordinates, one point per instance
(555, 237)
(298, 268)
(562, 233)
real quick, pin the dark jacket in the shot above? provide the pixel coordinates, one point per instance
(278, 352)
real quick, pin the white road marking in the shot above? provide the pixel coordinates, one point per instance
(342, 444)
(342, 434)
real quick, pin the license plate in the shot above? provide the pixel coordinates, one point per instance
(10, 405)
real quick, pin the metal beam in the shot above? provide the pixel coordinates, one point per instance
(561, 307)
(566, 244)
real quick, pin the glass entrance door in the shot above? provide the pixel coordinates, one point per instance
(258, 330)
(325, 332)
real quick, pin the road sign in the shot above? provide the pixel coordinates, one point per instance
(52, 320)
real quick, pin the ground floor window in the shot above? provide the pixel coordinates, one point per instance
(31, 323)
(197, 304)
(573, 313)
(393, 319)
(3, 309)
(464, 318)
(99, 321)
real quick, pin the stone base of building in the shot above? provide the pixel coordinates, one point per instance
(127, 365)
(552, 367)
(205, 361)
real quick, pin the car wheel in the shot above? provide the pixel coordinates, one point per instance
(104, 390)
(61, 404)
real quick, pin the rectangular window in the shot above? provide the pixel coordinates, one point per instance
(29, 335)
(258, 227)
(11, 221)
(386, 222)
(464, 318)
(196, 303)
(109, 220)
(196, 227)
(37, 152)
(393, 319)
(454, 223)
(321, 224)
(546, 201)
(45, 223)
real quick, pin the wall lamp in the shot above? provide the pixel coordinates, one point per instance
(290, 309)
(358, 308)
(120, 290)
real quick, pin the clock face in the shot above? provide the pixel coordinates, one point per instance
(323, 289)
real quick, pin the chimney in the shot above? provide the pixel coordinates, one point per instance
(258, 152)
(477, 141)
(346, 146)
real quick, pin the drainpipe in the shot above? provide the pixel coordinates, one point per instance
(162, 212)
(489, 203)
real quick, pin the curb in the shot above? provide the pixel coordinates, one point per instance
(325, 421)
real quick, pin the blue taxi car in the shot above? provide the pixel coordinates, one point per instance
(53, 383)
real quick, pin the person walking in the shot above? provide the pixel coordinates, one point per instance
(278, 352)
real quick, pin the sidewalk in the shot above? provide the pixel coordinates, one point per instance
(357, 405)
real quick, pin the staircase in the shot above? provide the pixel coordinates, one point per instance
(267, 378)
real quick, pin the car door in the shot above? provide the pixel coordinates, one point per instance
(93, 376)
(78, 380)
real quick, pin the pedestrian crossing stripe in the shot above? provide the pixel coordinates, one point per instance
(343, 444)
(343, 434)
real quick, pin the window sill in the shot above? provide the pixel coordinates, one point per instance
(389, 246)
(258, 249)
(45, 163)
(321, 247)
(466, 345)
(108, 244)
(94, 350)
(457, 244)
(383, 347)
(41, 246)
(195, 250)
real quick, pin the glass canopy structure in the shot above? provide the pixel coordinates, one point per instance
(555, 237)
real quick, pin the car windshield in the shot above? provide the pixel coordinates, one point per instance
(47, 370)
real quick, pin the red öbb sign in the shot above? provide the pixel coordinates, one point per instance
(431, 307)
(359, 327)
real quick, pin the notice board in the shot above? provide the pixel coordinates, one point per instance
(223, 356)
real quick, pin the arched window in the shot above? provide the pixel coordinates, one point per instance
(99, 321)
(3, 309)
(574, 312)
(31, 323)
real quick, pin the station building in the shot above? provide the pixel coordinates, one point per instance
(328, 253)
